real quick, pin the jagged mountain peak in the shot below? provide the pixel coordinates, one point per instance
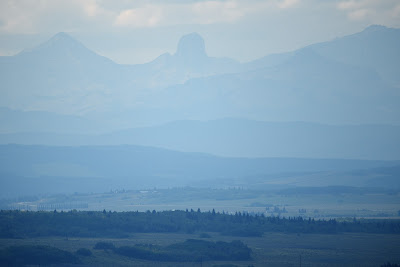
(191, 45)
(61, 43)
(62, 38)
(63, 50)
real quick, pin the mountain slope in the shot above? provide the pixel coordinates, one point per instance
(59, 75)
(376, 47)
(306, 87)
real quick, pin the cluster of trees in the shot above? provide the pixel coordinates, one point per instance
(20, 224)
(190, 250)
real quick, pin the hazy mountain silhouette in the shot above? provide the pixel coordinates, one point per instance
(303, 85)
(64, 50)
(58, 75)
(338, 99)
(240, 138)
(43, 169)
(377, 47)
(189, 61)
(63, 75)
(348, 80)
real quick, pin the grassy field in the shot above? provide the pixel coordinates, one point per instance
(273, 249)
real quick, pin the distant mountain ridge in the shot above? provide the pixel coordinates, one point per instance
(353, 79)
(29, 170)
(376, 47)
(78, 118)
(239, 138)
(64, 76)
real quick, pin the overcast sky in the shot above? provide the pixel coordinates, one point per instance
(137, 31)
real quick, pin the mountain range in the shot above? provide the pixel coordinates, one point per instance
(62, 75)
(337, 99)
(324, 115)
(353, 79)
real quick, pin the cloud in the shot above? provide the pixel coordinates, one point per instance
(49, 16)
(148, 16)
(27, 17)
(209, 12)
(373, 11)
(163, 13)
(396, 11)
(166, 14)
(16, 18)
(288, 3)
(359, 14)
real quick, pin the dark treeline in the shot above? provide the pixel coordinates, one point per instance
(35, 255)
(21, 224)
